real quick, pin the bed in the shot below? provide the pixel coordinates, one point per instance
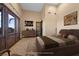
(58, 44)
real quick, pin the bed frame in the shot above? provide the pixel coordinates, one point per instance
(63, 51)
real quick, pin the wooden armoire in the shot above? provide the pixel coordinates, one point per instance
(9, 27)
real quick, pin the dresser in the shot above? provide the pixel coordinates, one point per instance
(28, 33)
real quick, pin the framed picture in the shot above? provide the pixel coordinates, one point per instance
(70, 19)
(28, 23)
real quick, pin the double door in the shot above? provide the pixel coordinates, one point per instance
(9, 28)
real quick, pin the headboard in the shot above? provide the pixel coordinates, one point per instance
(74, 32)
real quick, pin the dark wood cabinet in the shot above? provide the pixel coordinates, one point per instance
(29, 33)
(9, 28)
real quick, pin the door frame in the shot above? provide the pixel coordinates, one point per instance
(41, 28)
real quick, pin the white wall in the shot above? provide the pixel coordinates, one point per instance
(63, 10)
(49, 21)
(30, 16)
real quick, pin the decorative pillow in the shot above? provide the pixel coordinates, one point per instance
(72, 37)
(64, 35)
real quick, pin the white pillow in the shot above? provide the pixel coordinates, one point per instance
(72, 37)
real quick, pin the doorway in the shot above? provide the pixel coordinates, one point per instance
(39, 28)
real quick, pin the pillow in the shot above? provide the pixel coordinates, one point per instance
(64, 35)
(72, 37)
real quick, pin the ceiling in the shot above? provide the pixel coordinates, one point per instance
(36, 7)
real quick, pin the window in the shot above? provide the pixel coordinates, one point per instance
(11, 23)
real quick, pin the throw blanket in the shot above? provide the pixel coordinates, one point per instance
(62, 41)
(49, 43)
(59, 40)
(53, 41)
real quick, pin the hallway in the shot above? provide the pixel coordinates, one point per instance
(24, 47)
